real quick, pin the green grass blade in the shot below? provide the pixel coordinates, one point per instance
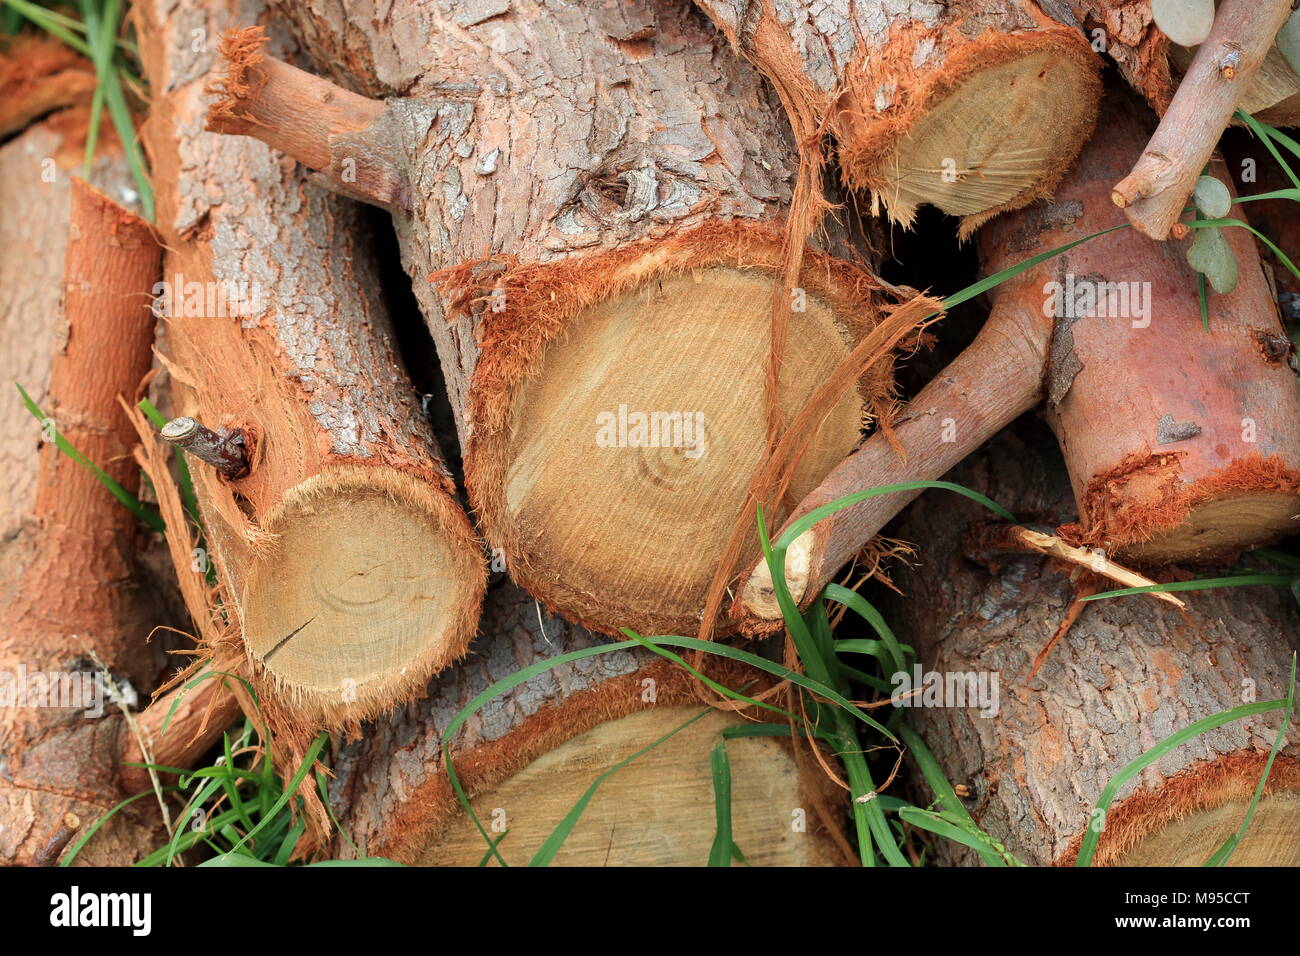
(51, 22)
(825, 511)
(310, 758)
(1266, 135)
(722, 851)
(984, 285)
(1200, 584)
(545, 854)
(130, 501)
(855, 602)
(91, 830)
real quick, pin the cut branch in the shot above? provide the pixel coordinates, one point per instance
(1154, 194)
(306, 117)
(69, 595)
(1163, 472)
(1129, 673)
(352, 572)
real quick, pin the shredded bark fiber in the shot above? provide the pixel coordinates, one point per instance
(1201, 787)
(1105, 525)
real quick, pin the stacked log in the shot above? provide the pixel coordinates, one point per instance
(1130, 672)
(1183, 445)
(603, 225)
(352, 571)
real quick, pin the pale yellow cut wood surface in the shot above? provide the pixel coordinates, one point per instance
(657, 811)
(982, 148)
(1272, 840)
(646, 526)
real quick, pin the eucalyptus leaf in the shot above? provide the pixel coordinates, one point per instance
(1212, 197)
(1210, 255)
(1185, 22)
(1288, 42)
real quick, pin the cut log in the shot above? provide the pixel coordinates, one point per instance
(1129, 673)
(1154, 66)
(35, 172)
(178, 728)
(69, 598)
(527, 756)
(606, 360)
(1182, 444)
(352, 569)
(974, 107)
(1155, 192)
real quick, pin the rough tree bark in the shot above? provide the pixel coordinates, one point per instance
(526, 757)
(975, 106)
(1129, 673)
(599, 191)
(70, 597)
(353, 571)
(1183, 445)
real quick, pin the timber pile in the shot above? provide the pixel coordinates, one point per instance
(651, 246)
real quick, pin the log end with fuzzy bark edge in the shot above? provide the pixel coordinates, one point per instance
(528, 753)
(994, 129)
(1129, 673)
(615, 427)
(974, 108)
(370, 581)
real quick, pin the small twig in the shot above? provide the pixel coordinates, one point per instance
(223, 449)
(1053, 546)
(49, 854)
(1155, 193)
(1077, 607)
(345, 137)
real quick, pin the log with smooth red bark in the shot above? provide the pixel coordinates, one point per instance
(353, 573)
(1182, 444)
(598, 191)
(527, 756)
(976, 106)
(70, 596)
(1129, 673)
